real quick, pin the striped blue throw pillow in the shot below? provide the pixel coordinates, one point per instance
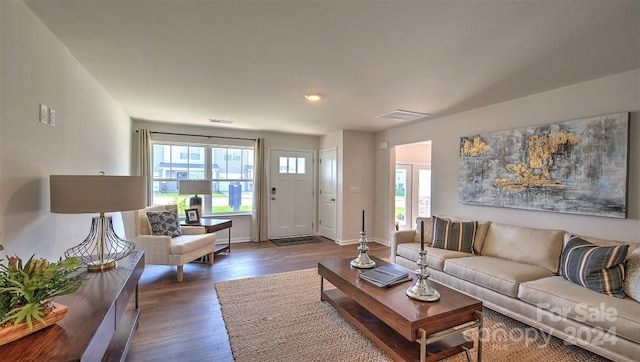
(599, 268)
(452, 235)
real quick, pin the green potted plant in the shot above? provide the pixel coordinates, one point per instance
(27, 290)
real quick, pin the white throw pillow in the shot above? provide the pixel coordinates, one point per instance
(632, 279)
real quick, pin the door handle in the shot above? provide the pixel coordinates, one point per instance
(333, 200)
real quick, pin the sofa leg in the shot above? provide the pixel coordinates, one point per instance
(180, 273)
(210, 258)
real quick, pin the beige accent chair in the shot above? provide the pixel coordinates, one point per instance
(165, 250)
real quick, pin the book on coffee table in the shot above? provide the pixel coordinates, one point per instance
(385, 275)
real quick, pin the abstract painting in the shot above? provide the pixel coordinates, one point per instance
(577, 167)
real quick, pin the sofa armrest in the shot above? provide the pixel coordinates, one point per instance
(193, 230)
(400, 237)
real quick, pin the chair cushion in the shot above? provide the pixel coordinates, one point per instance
(164, 223)
(500, 275)
(451, 235)
(599, 268)
(186, 243)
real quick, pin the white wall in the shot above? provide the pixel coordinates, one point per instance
(611, 94)
(414, 153)
(92, 134)
(241, 230)
(358, 186)
(355, 189)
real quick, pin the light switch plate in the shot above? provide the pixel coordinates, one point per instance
(44, 114)
(52, 116)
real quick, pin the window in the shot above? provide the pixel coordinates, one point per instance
(292, 165)
(230, 170)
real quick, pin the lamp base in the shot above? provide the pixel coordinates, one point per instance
(102, 247)
(196, 203)
(98, 267)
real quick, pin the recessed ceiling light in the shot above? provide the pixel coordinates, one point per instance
(313, 97)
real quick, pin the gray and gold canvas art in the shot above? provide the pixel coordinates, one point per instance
(577, 166)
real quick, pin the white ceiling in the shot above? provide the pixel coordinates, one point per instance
(251, 62)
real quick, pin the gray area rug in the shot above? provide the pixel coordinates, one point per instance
(296, 240)
(280, 318)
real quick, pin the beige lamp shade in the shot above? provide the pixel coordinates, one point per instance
(195, 187)
(80, 194)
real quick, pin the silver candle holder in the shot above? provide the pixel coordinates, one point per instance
(363, 261)
(421, 289)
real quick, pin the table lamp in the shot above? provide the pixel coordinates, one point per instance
(195, 187)
(81, 194)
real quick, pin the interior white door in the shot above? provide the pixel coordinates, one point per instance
(328, 185)
(291, 193)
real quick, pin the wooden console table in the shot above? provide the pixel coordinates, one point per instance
(102, 317)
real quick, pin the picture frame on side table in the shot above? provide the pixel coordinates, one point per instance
(192, 216)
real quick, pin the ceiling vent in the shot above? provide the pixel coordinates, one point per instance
(401, 115)
(223, 121)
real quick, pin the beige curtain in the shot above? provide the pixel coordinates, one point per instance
(259, 219)
(142, 159)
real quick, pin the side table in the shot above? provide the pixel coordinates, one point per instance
(213, 225)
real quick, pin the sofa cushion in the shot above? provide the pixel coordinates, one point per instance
(435, 257)
(599, 268)
(164, 223)
(632, 278)
(538, 247)
(569, 300)
(502, 276)
(453, 235)
(428, 231)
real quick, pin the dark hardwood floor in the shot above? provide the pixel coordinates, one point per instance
(183, 321)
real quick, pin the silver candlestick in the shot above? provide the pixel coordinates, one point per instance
(363, 261)
(421, 290)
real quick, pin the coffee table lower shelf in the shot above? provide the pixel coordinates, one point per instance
(390, 341)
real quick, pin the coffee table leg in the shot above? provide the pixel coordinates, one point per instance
(479, 314)
(321, 288)
(423, 344)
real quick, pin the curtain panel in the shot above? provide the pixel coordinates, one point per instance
(142, 159)
(259, 220)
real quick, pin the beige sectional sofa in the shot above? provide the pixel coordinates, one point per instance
(514, 270)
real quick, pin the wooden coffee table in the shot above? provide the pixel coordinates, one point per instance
(395, 322)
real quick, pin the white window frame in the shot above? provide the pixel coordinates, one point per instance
(208, 173)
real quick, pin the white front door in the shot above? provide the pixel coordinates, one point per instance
(291, 193)
(328, 186)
